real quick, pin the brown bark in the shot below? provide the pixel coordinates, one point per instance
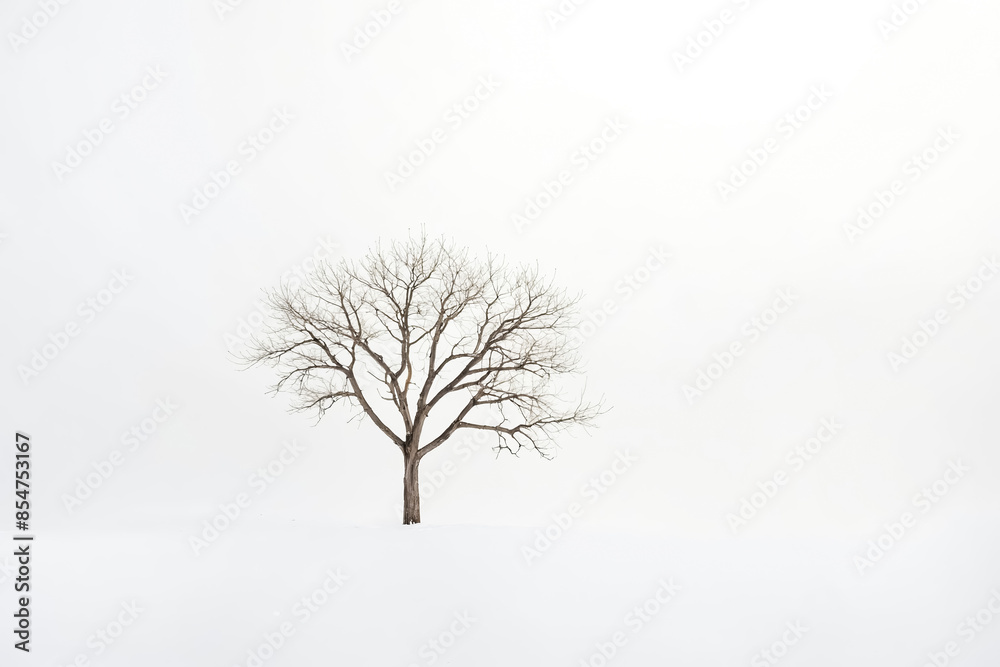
(411, 488)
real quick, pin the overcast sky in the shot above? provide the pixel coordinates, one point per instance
(743, 161)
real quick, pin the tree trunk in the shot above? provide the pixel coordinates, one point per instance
(411, 489)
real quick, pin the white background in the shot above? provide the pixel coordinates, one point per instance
(656, 186)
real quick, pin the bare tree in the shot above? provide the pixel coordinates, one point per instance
(419, 327)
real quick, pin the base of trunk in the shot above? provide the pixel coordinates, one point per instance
(411, 492)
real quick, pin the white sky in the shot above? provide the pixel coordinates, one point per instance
(323, 176)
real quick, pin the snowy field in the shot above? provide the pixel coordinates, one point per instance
(465, 595)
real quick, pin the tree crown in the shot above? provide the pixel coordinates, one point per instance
(424, 327)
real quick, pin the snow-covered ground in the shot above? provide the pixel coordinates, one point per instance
(466, 595)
